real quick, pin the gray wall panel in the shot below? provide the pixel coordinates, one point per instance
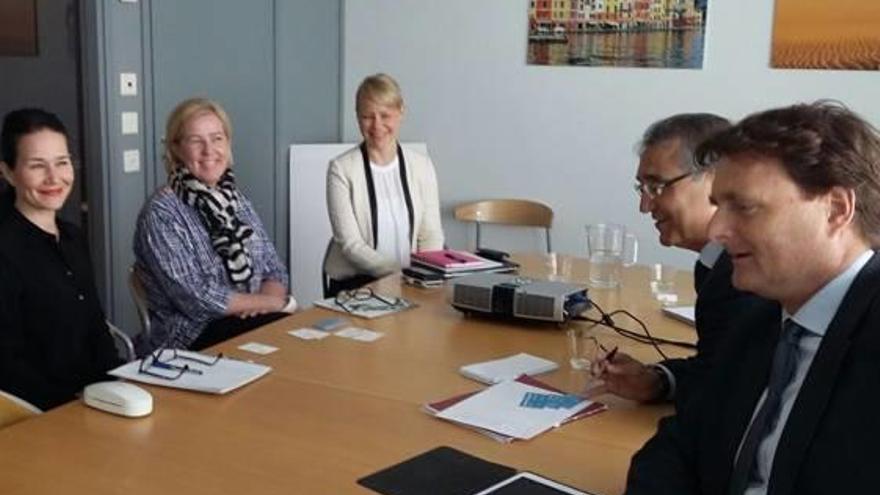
(309, 74)
(224, 50)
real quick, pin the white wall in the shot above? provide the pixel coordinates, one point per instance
(497, 127)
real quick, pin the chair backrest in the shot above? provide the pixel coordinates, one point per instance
(520, 212)
(139, 295)
(13, 409)
(124, 339)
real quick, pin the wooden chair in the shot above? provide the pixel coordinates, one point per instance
(13, 409)
(139, 295)
(520, 212)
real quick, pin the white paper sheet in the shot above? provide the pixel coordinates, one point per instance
(224, 376)
(497, 408)
(681, 313)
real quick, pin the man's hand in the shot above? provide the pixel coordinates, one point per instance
(624, 376)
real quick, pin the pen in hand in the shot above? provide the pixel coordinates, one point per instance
(602, 363)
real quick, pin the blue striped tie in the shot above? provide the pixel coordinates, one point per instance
(784, 365)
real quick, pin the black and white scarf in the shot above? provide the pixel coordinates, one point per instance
(217, 206)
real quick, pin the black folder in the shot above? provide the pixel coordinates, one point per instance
(441, 471)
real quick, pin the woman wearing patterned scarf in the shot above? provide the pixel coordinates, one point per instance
(209, 269)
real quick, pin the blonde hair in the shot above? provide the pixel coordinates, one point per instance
(381, 89)
(182, 113)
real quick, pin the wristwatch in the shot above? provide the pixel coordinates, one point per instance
(665, 386)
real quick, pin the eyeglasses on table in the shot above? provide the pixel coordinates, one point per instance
(365, 299)
(165, 363)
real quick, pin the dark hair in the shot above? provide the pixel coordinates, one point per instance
(820, 145)
(691, 128)
(21, 122)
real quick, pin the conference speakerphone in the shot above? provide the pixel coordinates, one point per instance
(518, 297)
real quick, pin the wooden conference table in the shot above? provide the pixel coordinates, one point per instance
(335, 410)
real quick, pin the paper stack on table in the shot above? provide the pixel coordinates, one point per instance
(508, 368)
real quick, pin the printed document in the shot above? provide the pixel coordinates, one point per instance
(497, 409)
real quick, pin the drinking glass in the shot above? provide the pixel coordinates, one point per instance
(583, 347)
(609, 248)
(663, 283)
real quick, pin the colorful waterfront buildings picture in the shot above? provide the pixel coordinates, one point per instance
(620, 33)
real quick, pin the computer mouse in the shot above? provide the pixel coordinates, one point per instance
(122, 398)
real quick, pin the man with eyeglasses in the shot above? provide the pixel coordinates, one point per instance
(675, 192)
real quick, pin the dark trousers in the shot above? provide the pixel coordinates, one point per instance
(231, 326)
(334, 287)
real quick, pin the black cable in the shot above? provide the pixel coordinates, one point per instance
(606, 319)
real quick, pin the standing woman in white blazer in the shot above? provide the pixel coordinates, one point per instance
(382, 199)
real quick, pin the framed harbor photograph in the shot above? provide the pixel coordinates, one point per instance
(826, 34)
(18, 28)
(617, 33)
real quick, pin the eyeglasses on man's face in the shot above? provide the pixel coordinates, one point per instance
(653, 189)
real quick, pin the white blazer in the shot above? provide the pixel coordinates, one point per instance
(351, 250)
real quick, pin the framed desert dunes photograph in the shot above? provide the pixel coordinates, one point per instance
(826, 34)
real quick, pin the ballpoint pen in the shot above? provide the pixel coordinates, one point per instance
(455, 258)
(608, 355)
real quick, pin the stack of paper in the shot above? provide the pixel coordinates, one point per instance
(219, 378)
(450, 263)
(498, 414)
(508, 368)
(681, 313)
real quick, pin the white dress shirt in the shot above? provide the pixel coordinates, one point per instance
(391, 213)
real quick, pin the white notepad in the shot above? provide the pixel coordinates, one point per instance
(508, 368)
(681, 313)
(223, 376)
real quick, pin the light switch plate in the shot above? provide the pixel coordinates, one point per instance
(129, 123)
(128, 84)
(131, 161)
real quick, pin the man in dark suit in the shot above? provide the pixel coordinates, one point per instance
(792, 405)
(675, 192)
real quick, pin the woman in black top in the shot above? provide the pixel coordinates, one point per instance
(53, 336)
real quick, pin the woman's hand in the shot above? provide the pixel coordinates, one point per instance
(250, 305)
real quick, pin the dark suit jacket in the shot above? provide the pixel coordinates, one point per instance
(830, 441)
(719, 309)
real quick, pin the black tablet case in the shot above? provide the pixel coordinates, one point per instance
(441, 471)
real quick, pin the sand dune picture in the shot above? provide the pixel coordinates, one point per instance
(826, 34)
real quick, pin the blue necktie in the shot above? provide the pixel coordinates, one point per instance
(784, 365)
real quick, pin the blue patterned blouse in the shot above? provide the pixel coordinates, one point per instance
(185, 280)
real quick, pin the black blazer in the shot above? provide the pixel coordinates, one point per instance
(719, 309)
(830, 442)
